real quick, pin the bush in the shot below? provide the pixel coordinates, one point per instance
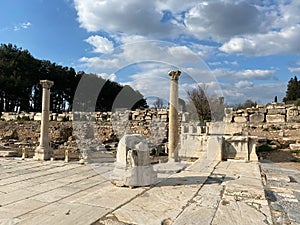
(64, 119)
(273, 127)
(264, 148)
(23, 118)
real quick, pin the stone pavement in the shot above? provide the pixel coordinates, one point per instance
(283, 191)
(206, 192)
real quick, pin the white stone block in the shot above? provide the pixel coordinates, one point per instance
(133, 167)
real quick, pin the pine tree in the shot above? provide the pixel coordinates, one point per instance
(293, 90)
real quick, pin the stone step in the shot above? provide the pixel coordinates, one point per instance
(8, 153)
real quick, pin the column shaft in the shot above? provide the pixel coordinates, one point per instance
(173, 116)
(43, 151)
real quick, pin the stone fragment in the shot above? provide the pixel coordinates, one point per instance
(295, 146)
(133, 167)
(240, 119)
(257, 117)
(275, 118)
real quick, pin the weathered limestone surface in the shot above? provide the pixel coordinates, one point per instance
(257, 117)
(133, 167)
(240, 119)
(206, 192)
(275, 118)
(43, 151)
(193, 140)
(173, 117)
(239, 147)
(215, 146)
(221, 128)
(283, 190)
(294, 146)
(243, 201)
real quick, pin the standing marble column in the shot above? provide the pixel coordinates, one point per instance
(173, 116)
(43, 151)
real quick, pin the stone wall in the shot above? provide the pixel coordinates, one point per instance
(270, 113)
(137, 115)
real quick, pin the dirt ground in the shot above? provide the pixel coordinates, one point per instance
(284, 158)
(281, 156)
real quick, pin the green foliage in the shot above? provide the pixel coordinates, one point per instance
(264, 148)
(293, 90)
(64, 119)
(297, 160)
(297, 102)
(20, 89)
(296, 151)
(23, 118)
(273, 127)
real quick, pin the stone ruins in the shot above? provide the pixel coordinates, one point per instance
(133, 167)
(173, 117)
(43, 151)
(153, 124)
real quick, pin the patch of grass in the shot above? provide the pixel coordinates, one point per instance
(297, 160)
(23, 118)
(265, 129)
(296, 151)
(273, 127)
(264, 148)
(64, 119)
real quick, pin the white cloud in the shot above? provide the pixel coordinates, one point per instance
(261, 93)
(244, 84)
(133, 17)
(245, 27)
(234, 75)
(273, 42)
(98, 64)
(219, 19)
(255, 74)
(100, 44)
(143, 51)
(106, 76)
(287, 14)
(233, 27)
(24, 25)
(294, 70)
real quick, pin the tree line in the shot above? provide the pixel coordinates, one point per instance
(20, 89)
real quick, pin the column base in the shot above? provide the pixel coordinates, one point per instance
(173, 160)
(42, 153)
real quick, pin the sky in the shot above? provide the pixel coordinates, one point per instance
(237, 49)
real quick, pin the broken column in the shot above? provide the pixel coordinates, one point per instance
(173, 116)
(133, 167)
(43, 151)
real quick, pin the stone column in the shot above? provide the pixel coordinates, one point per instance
(173, 116)
(43, 151)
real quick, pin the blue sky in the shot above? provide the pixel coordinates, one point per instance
(239, 49)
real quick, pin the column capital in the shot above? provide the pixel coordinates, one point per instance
(46, 83)
(174, 74)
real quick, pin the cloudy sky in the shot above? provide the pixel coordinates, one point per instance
(241, 49)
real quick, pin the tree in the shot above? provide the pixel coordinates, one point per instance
(247, 104)
(293, 90)
(198, 99)
(159, 103)
(20, 89)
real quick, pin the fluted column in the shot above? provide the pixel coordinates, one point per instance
(173, 116)
(43, 151)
